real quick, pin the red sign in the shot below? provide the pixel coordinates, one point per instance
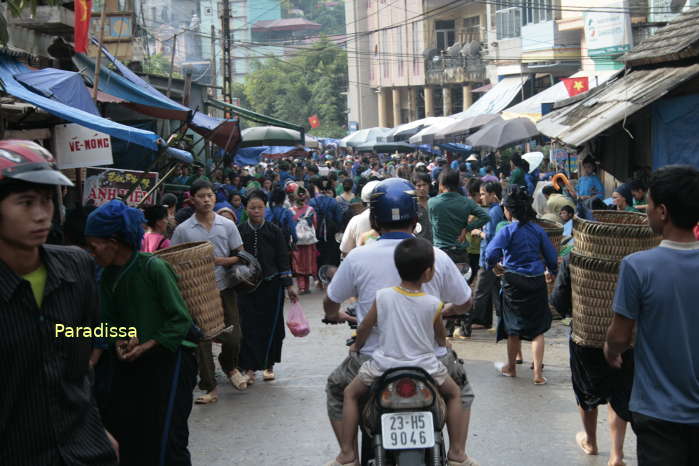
(83, 14)
(576, 86)
(314, 121)
(104, 184)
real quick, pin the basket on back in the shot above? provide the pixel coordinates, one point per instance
(614, 235)
(600, 245)
(553, 230)
(194, 265)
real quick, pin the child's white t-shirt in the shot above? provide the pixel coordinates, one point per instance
(405, 324)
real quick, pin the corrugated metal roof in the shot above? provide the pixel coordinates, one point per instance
(609, 104)
(678, 40)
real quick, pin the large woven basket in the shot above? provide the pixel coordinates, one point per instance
(613, 235)
(593, 282)
(194, 265)
(553, 230)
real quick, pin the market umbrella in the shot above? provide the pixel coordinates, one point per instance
(467, 124)
(426, 134)
(501, 133)
(406, 130)
(364, 136)
(387, 147)
(270, 136)
(534, 159)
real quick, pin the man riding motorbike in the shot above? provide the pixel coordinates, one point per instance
(370, 268)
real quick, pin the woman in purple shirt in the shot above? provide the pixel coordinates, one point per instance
(516, 252)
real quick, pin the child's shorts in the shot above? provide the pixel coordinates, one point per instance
(369, 372)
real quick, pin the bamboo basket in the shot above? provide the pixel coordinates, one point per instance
(194, 265)
(613, 235)
(553, 230)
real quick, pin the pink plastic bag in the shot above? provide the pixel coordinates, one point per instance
(296, 321)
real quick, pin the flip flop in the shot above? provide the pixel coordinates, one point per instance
(580, 438)
(467, 462)
(335, 463)
(543, 381)
(206, 399)
(499, 366)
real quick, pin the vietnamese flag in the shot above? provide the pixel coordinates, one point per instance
(314, 121)
(576, 86)
(83, 17)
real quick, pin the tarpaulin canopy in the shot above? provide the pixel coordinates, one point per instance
(66, 87)
(456, 147)
(496, 99)
(142, 97)
(254, 116)
(9, 67)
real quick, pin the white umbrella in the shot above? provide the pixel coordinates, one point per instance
(534, 159)
(363, 136)
(429, 131)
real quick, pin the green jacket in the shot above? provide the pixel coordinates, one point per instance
(144, 294)
(449, 214)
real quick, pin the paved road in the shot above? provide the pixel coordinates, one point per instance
(284, 422)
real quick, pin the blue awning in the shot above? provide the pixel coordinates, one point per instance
(456, 147)
(9, 67)
(66, 87)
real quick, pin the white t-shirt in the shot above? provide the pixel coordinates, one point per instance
(406, 327)
(356, 227)
(370, 268)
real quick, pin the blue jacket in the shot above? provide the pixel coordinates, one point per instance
(283, 218)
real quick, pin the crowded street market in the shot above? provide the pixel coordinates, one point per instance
(190, 278)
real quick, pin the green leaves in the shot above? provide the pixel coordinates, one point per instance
(15, 7)
(311, 82)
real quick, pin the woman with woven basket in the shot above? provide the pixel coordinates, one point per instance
(262, 311)
(525, 312)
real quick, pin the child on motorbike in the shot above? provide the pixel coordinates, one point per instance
(410, 327)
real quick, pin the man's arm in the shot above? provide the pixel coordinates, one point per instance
(452, 309)
(481, 215)
(440, 331)
(619, 338)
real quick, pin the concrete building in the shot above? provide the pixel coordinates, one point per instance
(414, 65)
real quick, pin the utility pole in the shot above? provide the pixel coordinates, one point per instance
(214, 77)
(172, 64)
(227, 60)
(98, 60)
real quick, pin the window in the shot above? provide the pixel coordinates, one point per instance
(399, 49)
(536, 11)
(445, 34)
(385, 54)
(509, 23)
(416, 48)
(472, 29)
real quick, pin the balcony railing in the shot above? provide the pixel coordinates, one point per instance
(455, 70)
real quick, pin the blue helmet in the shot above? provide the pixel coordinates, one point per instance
(393, 200)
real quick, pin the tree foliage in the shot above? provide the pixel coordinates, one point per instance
(330, 15)
(16, 7)
(312, 82)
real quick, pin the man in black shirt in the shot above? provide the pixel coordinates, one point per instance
(47, 414)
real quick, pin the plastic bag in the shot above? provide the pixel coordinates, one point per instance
(296, 321)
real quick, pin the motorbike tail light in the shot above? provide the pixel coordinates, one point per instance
(406, 388)
(406, 393)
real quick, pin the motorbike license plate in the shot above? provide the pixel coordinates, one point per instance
(407, 430)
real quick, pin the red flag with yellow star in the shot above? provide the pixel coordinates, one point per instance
(83, 15)
(576, 86)
(314, 121)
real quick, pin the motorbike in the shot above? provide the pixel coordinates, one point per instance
(403, 416)
(402, 421)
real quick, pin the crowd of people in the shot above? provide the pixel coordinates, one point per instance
(404, 231)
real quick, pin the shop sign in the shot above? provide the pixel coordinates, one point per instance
(608, 30)
(76, 146)
(104, 184)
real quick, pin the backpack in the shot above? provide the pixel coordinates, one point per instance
(305, 233)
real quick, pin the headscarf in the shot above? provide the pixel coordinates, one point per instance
(625, 191)
(117, 220)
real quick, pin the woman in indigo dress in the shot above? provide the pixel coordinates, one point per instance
(262, 311)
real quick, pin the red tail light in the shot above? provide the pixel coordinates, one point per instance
(406, 388)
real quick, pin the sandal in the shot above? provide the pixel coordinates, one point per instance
(206, 399)
(251, 377)
(541, 381)
(268, 375)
